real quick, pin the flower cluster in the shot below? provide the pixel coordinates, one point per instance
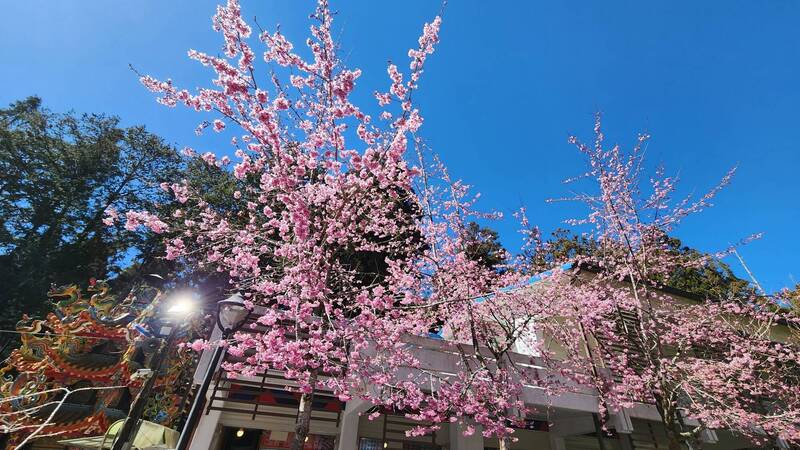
(717, 362)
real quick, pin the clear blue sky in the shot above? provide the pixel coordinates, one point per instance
(716, 83)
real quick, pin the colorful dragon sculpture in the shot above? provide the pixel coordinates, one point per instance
(87, 350)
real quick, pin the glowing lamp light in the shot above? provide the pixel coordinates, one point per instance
(182, 305)
(240, 432)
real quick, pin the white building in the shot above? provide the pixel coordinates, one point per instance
(257, 413)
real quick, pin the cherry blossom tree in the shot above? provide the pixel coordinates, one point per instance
(330, 241)
(704, 363)
(487, 315)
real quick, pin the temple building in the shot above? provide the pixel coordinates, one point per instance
(75, 373)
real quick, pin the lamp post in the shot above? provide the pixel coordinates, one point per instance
(231, 315)
(181, 306)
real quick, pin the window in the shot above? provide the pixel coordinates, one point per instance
(278, 440)
(626, 340)
(526, 341)
(377, 444)
(369, 444)
(419, 446)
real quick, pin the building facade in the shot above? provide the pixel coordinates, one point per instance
(259, 414)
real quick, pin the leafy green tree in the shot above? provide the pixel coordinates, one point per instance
(713, 279)
(483, 245)
(791, 298)
(214, 186)
(563, 246)
(59, 173)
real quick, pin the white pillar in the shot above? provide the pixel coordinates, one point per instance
(206, 431)
(563, 427)
(460, 442)
(348, 423)
(557, 442)
(205, 357)
(709, 436)
(572, 425)
(621, 421)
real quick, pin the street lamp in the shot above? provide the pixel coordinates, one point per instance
(231, 315)
(180, 306)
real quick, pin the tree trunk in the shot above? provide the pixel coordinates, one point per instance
(674, 440)
(505, 443)
(303, 422)
(669, 418)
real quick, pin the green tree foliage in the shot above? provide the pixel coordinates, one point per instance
(563, 246)
(483, 245)
(712, 280)
(215, 187)
(58, 175)
(790, 298)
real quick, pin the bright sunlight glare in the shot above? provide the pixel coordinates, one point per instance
(182, 303)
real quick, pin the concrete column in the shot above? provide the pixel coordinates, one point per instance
(348, 423)
(460, 442)
(557, 442)
(621, 421)
(576, 425)
(206, 432)
(709, 436)
(205, 357)
(625, 442)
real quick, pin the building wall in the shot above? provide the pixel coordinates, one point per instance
(570, 415)
(567, 433)
(526, 439)
(391, 430)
